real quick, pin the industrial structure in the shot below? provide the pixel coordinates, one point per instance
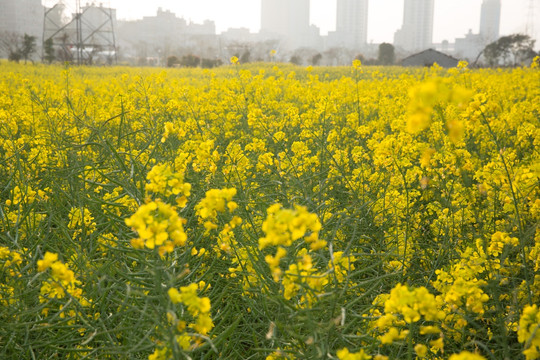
(531, 18)
(82, 34)
(66, 30)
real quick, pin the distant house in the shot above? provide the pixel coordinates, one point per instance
(429, 57)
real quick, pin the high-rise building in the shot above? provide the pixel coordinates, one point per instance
(351, 22)
(417, 30)
(22, 17)
(490, 20)
(470, 47)
(286, 19)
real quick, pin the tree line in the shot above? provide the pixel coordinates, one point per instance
(511, 50)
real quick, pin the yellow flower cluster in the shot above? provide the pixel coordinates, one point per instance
(81, 220)
(118, 203)
(163, 180)
(345, 354)
(302, 279)
(535, 64)
(466, 355)
(460, 286)
(18, 196)
(216, 201)
(409, 304)
(9, 258)
(206, 157)
(198, 309)
(403, 307)
(280, 354)
(498, 241)
(62, 280)
(426, 96)
(284, 226)
(529, 332)
(172, 129)
(9, 266)
(158, 225)
(341, 265)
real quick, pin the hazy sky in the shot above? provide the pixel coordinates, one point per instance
(453, 18)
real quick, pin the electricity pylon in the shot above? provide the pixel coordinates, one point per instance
(91, 30)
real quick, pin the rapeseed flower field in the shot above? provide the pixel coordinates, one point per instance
(269, 212)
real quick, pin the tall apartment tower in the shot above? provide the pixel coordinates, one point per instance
(287, 19)
(417, 31)
(352, 21)
(22, 17)
(490, 20)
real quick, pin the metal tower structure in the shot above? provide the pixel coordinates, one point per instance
(529, 27)
(89, 32)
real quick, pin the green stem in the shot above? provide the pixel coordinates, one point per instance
(516, 208)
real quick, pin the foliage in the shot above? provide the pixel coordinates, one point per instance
(48, 49)
(190, 61)
(28, 47)
(296, 60)
(510, 50)
(17, 47)
(246, 57)
(172, 61)
(210, 63)
(316, 59)
(386, 54)
(10, 44)
(269, 212)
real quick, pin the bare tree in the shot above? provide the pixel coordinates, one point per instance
(303, 55)
(338, 56)
(11, 45)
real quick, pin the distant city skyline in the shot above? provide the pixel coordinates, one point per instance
(416, 32)
(352, 22)
(287, 18)
(490, 19)
(452, 18)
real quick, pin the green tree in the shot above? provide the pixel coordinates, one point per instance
(28, 47)
(210, 63)
(386, 54)
(48, 48)
(190, 61)
(296, 60)
(510, 50)
(172, 61)
(316, 59)
(246, 57)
